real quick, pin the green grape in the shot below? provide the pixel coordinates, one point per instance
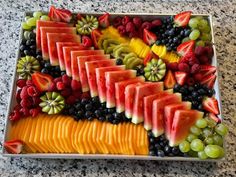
(211, 123)
(206, 29)
(209, 140)
(201, 123)
(25, 26)
(27, 17)
(184, 146)
(191, 137)
(203, 23)
(26, 35)
(199, 17)
(221, 129)
(195, 130)
(197, 145)
(45, 17)
(202, 155)
(185, 39)
(205, 37)
(214, 151)
(31, 21)
(193, 23)
(194, 34)
(193, 153)
(200, 43)
(206, 132)
(37, 15)
(218, 140)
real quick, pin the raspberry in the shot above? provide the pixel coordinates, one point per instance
(199, 50)
(29, 82)
(24, 93)
(183, 67)
(58, 79)
(156, 22)
(125, 20)
(195, 68)
(130, 27)
(198, 77)
(209, 51)
(137, 22)
(25, 111)
(21, 83)
(121, 29)
(33, 91)
(66, 92)
(66, 80)
(60, 86)
(133, 34)
(18, 98)
(15, 115)
(36, 101)
(193, 60)
(190, 81)
(146, 25)
(17, 107)
(78, 16)
(85, 95)
(203, 59)
(75, 85)
(35, 111)
(77, 94)
(173, 66)
(25, 103)
(186, 58)
(117, 22)
(71, 100)
(52, 87)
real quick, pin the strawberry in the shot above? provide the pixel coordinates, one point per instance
(207, 69)
(211, 105)
(86, 41)
(186, 47)
(13, 146)
(148, 58)
(60, 15)
(95, 35)
(104, 20)
(149, 37)
(180, 77)
(182, 18)
(184, 67)
(214, 117)
(209, 80)
(42, 81)
(169, 80)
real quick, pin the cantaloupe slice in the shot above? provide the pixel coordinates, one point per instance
(32, 134)
(119, 137)
(67, 134)
(130, 138)
(42, 138)
(46, 132)
(25, 133)
(103, 136)
(80, 130)
(90, 138)
(61, 133)
(72, 136)
(103, 147)
(110, 139)
(134, 138)
(96, 130)
(85, 140)
(51, 128)
(55, 134)
(115, 138)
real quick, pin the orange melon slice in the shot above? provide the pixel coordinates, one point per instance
(67, 134)
(61, 133)
(73, 134)
(80, 130)
(55, 135)
(50, 133)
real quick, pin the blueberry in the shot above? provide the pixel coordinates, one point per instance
(72, 111)
(171, 155)
(158, 42)
(187, 32)
(27, 52)
(201, 91)
(78, 106)
(162, 138)
(95, 100)
(160, 153)
(151, 147)
(111, 110)
(210, 92)
(169, 48)
(32, 35)
(197, 86)
(89, 107)
(162, 144)
(190, 88)
(185, 98)
(184, 91)
(33, 47)
(22, 47)
(119, 61)
(175, 40)
(90, 118)
(28, 42)
(88, 114)
(80, 114)
(152, 140)
(115, 121)
(117, 116)
(38, 52)
(199, 98)
(57, 69)
(32, 41)
(63, 73)
(158, 146)
(150, 134)
(194, 94)
(177, 88)
(102, 118)
(152, 153)
(195, 104)
(200, 108)
(39, 57)
(103, 105)
(84, 101)
(182, 33)
(98, 113)
(109, 117)
(45, 71)
(167, 149)
(47, 65)
(190, 98)
(175, 150)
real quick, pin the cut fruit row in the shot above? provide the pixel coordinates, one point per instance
(61, 134)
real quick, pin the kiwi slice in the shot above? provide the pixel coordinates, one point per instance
(155, 70)
(87, 24)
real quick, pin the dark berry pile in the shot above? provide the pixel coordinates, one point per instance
(90, 108)
(169, 35)
(28, 46)
(160, 147)
(140, 70)
(194, 94)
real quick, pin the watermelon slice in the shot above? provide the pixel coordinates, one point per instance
(82, 71)
(44, 40)
(42, 23)
(182, 121)
(67, 56)
(120, 92)
(140, 92)
(111, 78)
(158, 112)
(74, 61)
(53, 38)
(91, 73)
(169, 112)
(100, 78)
(60, 45)
(147, 105)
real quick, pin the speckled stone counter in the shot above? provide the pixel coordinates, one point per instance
(223, 11)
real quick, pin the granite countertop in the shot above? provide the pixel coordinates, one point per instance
(223, 11)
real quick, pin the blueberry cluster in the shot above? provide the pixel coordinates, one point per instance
(90, 108)
(160, 147)
(169, 35)
(28, 45)
(140, 70)
(194, 94)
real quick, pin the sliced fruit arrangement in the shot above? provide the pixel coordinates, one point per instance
(132, 86)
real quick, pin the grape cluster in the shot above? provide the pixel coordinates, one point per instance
(28, 44)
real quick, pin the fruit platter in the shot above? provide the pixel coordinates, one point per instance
(120, 86)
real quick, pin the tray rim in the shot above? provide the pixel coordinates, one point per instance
(106, 156)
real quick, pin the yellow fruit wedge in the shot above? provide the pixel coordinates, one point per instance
(119, 139)
(134, 138)
(88, 147)
(111, 139)
(99, 139)
(32, 134)
(94, 131)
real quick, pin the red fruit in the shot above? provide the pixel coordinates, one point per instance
(125, 20)
(60, 86)
(117, 22)
(146, 25)
(190, 81)
(66, 92)
(71, 100)
(75, 85)
(17, 107)
(36, 101)
(203, 59)
(182, 18)
(137, 22)
(104, 20)
(214, 117)
(180, 77)
(148, 58)
(185, 47)
(173, 66)
(193, 60)
(211, 105)
(86, 41)
(58, 79)
(18, 98)
(25, 103)
(15, 115)
(156, 22)
(195, 68)
(186, 58)
(52, 87)
(95, 35)
(24, 93)
(33, 91)
(21, 83)
(209, 51)
(13, 146)
(25, 112)
(199, 50)
(169, 80)
(209, 80)
(35, 111)
(198, 76)
(77, 94)
(42, 81)
(66, 80)
(129, 27)
(78, 16)
(207, 69)
(29, 83)
(85, 95)
(140, 33)
(184, 67)
(133, 34)
(121, 29)
(149, 37)
(58, 15)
